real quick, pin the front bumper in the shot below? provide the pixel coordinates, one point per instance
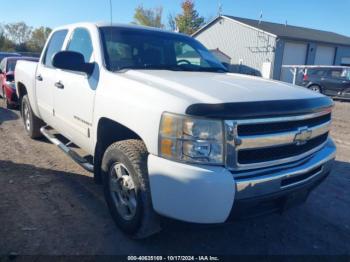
(209, 195)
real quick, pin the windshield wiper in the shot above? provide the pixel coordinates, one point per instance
(174, 68)
(150, 67)
(193, 68)
(213, 69)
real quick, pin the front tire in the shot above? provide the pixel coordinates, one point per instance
(127, 190)
(32, 124)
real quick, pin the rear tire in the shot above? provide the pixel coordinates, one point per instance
(127, 190)
(315, 88)
(32, 124)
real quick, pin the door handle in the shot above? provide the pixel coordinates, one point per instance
(39, 78)
(59, 85)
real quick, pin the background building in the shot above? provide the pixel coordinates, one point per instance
(262, 48)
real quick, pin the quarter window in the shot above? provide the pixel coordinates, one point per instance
(81, 42)
(55, 45)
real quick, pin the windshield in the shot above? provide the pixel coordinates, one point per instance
(127, 48)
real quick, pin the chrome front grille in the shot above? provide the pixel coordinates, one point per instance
(265, 142)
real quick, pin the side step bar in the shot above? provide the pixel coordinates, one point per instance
(69, 152)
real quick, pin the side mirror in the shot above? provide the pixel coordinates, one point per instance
(72, 61)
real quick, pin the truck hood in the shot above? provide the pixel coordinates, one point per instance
(214, 88)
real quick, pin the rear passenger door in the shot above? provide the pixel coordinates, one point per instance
(74, 97)
(45, 77)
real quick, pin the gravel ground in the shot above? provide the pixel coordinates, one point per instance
(50, 206)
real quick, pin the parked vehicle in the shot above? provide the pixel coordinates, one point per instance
(169, 137)
(8, 54)
(7, 79)
(332, 81)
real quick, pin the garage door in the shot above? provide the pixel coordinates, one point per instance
(294, 54)
(345, 61)
(324, 55)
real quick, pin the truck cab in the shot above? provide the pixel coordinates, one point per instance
(170, 132)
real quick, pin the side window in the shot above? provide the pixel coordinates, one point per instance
(318, 72)
(55, 45)
(335, 73)
(344, 74)
(81, 42)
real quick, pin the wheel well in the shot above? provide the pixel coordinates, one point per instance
(22, 91)
(109, 132)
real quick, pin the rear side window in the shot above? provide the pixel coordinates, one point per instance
(336, 73)
(317, 72)
(81, 42)
(55, 45)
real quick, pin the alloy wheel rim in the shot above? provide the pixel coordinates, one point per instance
(315, 89)
(123, 191)
(26, 116)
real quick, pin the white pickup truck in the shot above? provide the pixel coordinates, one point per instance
(168, 131)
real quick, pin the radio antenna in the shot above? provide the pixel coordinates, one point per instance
(111, 17)
(111, 11)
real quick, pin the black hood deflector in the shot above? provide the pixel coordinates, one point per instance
(260, 109)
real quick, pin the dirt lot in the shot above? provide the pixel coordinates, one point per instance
(49, 205)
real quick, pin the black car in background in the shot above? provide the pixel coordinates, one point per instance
(332, 81)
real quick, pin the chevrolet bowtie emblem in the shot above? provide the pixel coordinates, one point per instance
(303, 136)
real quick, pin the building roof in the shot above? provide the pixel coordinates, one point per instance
(289, 31)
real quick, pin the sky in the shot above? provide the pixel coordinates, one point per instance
(319, 14)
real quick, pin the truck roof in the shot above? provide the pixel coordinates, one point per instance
(120, 25)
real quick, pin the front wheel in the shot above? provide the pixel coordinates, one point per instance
(127, 190)
(315, 88)
(32, 124)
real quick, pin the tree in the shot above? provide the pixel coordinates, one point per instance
(38, 39)
(172, 23)
(19, 33)
(149, 17)
(189, 21)
(5, 44)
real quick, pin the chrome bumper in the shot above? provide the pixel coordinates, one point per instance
(269, 182)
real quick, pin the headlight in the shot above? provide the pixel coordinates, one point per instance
(193, 140)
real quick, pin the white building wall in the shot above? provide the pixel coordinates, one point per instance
(247, 47)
